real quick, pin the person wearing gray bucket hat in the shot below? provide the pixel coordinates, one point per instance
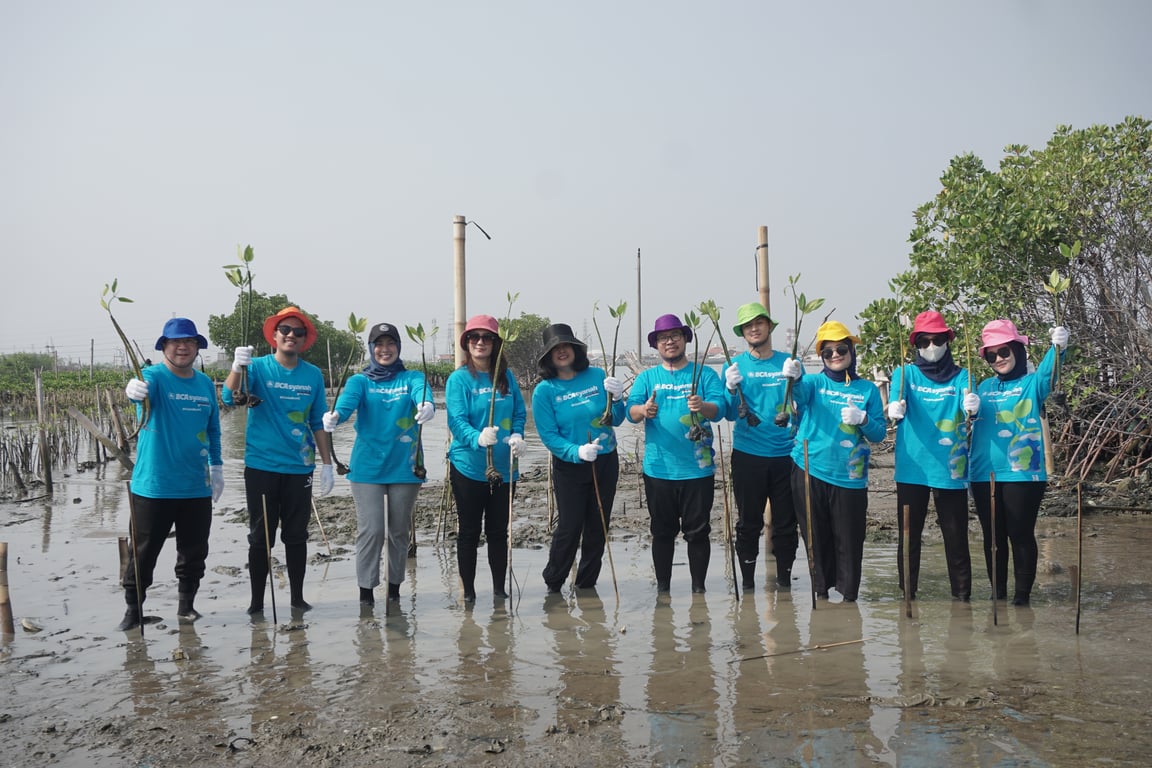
(675, 401)
(761, 450)
(179, 471)
(568, 406)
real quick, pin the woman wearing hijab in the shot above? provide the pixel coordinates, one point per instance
(930, 400)
(389, 402)
(482, 497)
(838, 414)
(1008, 452)
(567, 406)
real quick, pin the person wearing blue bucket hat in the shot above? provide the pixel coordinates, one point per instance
(179, 471)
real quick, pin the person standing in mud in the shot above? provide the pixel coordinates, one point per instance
(675, 401)
(568, 406)
(839, 413)
(389, 402)
(284, 433)
(179, 471)
(486, 436)
(1008, 443)
(761, 454)
(932, 451)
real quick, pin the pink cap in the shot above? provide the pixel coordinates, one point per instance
(1000, 332)
(930, 322)
(479, 323)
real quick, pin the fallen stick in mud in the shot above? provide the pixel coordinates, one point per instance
(822, 647)
(108, 443)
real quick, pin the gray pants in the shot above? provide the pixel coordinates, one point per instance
(374, 503)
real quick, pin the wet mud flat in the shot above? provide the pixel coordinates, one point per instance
(579, 679)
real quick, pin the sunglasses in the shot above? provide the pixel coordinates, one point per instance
(288, 330)
(923, 341)
(482, 338)
(1003, 353)
(837, 351)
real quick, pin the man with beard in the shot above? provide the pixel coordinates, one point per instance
(761, 454)
(285, 431)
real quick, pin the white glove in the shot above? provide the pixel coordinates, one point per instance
(589, 451)
(216, 475)
(850, 414)
(1060, 337)
(241, 357)
(136, 389)
(516, 444)
(792, 368)
(732, 377)
(972, 403)
(614, 387)
(327, 480)
(331, 419)
(487, 437)
(897, 409)
(425, 411)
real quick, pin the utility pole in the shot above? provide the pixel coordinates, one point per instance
(762, 282)
(639, 313)
(459, 284)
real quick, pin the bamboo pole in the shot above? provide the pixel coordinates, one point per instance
(995, 579)
(7, 625)
(907, 534)
(459, 285)
(45, 456)
(763, 283)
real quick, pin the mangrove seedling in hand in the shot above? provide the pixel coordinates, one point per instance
(712, 312)
(417, 335)
(107, 299)
(240, 275)
(609, 365)
(357, 326)
(508, 334)
(803, 306)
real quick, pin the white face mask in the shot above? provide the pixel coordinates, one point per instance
(933, 353)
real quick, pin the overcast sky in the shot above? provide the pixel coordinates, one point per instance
(145, 141)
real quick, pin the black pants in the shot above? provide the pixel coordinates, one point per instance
(675, 506)
(839, 523)
(952, 514)
(756, 482)
(288, 500)
(480, 506)
(1017, 505)
(152, 521)
(578, 522)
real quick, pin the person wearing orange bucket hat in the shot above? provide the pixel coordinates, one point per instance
(285, 432)
(839, 414)
(932, 450)
(1008, 445)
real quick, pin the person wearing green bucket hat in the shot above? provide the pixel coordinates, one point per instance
(761, 450)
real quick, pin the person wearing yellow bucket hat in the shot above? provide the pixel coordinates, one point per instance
(839, 413)
(761, 450)
(284, 434)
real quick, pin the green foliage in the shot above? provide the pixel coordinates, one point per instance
(523, 345)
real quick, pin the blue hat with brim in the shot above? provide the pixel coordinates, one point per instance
(180, 328)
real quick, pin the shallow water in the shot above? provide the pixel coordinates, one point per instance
(686, 680)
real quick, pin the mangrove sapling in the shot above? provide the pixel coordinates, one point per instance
(131, 352)
(709, 309)
(1057, 285)
(357, 326)
(692, 320)
(507, 334)
(803, 306)
(417, 335)
(240, 275)
(609, 365)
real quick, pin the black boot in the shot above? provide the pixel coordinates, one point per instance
(662, 552)
(748, 573)
(258, 578)
(466, 564)
(185, 611)
(133, 616)
(498, 584)
(366, 597)
(394, 592)
(699, 553)
(784, 578)
(296, 561)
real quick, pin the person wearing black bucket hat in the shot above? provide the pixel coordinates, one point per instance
(179, 471)
(678, 455)
(568, 405)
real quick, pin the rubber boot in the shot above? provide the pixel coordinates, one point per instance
(699, 553)
(132, 615)
(784, 578)
(366, 597)
(258, 577)
(296, 561)
(185, 611)
(662, 552)
(748, 573)
(466, 564)
(498, 582)
(394, 592)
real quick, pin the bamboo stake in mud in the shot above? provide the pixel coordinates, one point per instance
(513, 468)
(45, 455)
(808, 517)
(604, 526)
(316, 512)
(995, 577)
(7, 622)
(729, 541)
(907, 535)
(387, 559)
(268, 552)
(1079, 551)
(135, 555)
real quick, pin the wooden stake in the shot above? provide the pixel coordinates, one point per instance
(1079, 551)
(808, 515)
(907, 561)
(995, 579)
(7, 624)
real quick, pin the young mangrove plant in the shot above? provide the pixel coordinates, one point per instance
(417, 335)
(710, 310)
(131, 351)
(692, 320)
(357, 326)
(508, 334)
(609, 364)
(240, 275)
(1055, 286)
(803, 306)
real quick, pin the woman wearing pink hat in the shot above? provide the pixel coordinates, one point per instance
(930, 399)
(1008, 446)
(481, 502)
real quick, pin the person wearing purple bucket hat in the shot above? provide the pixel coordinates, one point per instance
(678, 455)
(1008, 453)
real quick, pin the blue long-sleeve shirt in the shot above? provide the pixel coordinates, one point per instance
(668, 453)
(385, 447)
(932, 438)
(763, 386)
(279, 435)
(567, 414)
(467, 398)
(1006, 436)
(181, 438)
(838, 453)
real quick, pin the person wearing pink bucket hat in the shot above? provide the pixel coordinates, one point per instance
(930, 399)
(1008, 453)
(675, 401)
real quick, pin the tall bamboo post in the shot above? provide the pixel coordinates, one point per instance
(763, 284)
(7, 626)
(460, 293)
(45, 454)
(639, 314)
